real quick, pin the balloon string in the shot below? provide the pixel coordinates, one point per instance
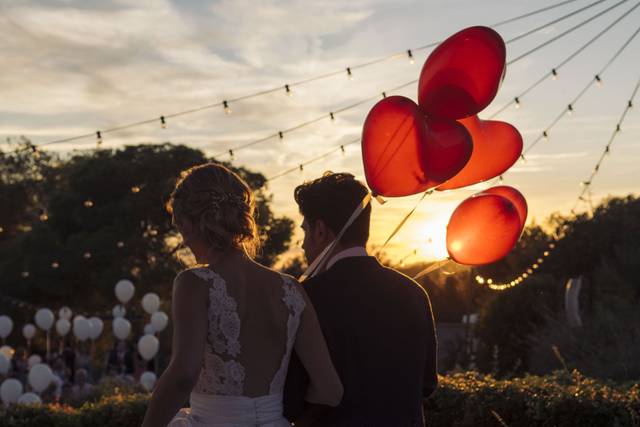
(404, 220)
(433, 267)
(317, 264)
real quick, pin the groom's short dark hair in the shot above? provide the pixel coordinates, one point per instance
(332, 198)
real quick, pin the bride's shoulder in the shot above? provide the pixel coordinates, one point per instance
(195, 274)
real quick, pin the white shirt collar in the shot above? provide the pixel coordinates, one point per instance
(356, 251)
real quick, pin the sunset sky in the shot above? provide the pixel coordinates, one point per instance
(72, 67)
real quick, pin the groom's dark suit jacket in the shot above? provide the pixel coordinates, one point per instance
(379, 329)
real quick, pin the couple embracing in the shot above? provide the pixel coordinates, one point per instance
(354, 345)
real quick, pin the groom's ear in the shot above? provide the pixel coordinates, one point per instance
(321, 232)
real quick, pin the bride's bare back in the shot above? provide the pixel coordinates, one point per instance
(255, 317)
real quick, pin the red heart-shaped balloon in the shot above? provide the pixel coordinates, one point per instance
(496, 147)
(404, 153)
(514, 197)
(482, 229)
(462, 75)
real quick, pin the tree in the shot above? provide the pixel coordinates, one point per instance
(97, 217)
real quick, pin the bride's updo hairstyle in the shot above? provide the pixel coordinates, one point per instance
(219, 203)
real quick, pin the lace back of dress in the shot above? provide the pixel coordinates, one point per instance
(225, 366)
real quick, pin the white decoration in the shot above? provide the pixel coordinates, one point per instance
(44, 319)
(28, 331)
(63, 326)
(65, 313)
(10, 391)
(148, 380)
(119, 311)
(151, 302)
(29, 399)
(124, 290)
(96, 327)
(40, 376)
(159, 320)
(33, 360)
(121, 328)
(81, 327)
(6, 326)
(5, 364)
(149, 329)
(148, 346)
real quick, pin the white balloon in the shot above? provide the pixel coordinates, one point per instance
(119, 311)
(44, 319)
(40, 376)
(6, 326)
(148, 346)
(5, 364)
(63, 326)
(33, 360)
(124, 290)
(28, 331)
(65, 313)
(7, 351)
(151, 302)
(121, 328)
(10, 391)
(29, 399)
(96, 327)
(159, 320)
(149, 329)
(148, 380)
(81, 327)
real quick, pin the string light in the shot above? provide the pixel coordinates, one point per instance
(280, 134)
(225, 103)
(598, 80)
(288, 90)
(545, 135)
(517, 101)
(88, 203)
(332, 116)
(500, 180)
(87, 255)
(163, 122)
(98, 139)
(523, 160)
(120, 244)
(570, 109)
(585, 184)
(349, 73)
(44, 217)
(410, 55)
(554, 74)
(384, 95)
(55, 264)
(135, 189)
(25, 274)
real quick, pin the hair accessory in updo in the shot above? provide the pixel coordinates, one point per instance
(219, 203)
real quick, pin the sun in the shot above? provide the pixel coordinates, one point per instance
(433, 237)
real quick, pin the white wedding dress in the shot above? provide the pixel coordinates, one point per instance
(250, 340)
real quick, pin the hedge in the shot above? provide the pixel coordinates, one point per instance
(463, 399)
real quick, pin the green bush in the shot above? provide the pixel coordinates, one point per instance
(561, 399)
(463, 399)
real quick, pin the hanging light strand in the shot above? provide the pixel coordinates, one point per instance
(517, 100)
(533, 267)
(226, 103)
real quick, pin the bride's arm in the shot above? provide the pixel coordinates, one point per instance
(325, 387)
(189, 336)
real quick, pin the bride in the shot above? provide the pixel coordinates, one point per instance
(235, 322)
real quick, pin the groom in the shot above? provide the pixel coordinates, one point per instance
(377, 321)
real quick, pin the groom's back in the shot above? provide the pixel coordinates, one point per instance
(379, 329)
